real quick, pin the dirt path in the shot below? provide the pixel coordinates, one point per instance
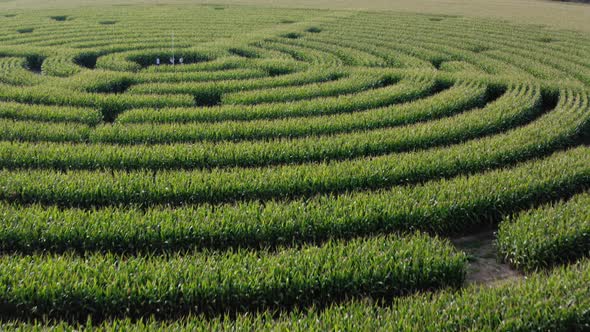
(484, 267)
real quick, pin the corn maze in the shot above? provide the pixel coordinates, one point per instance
(299, 169)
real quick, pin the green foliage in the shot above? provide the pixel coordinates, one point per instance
(442, 206)
(209, 282)
(277, 176)
(43, 113)
(546, 236)
(220, 154)
(398, 93)
(556, 302)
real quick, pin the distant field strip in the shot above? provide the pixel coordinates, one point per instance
(243, 168)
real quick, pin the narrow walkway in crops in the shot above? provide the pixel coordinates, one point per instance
(484, 267)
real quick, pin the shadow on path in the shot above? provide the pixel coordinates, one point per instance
(484, 267)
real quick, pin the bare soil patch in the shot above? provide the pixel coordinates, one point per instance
(484, 266)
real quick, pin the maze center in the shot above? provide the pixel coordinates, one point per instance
(240, 159)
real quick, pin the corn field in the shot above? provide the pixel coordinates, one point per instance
(215, 167)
